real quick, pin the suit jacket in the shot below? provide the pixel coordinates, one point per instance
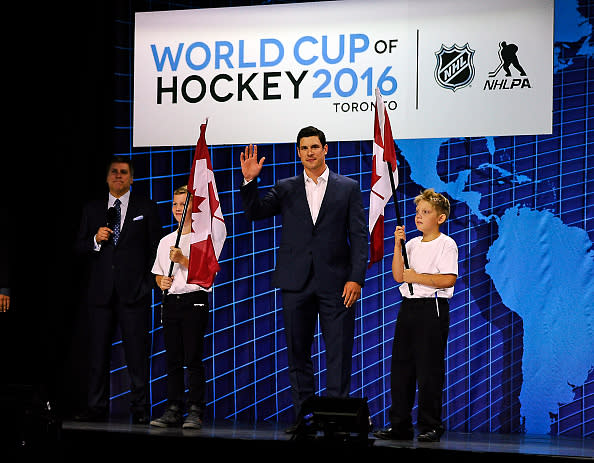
(335, 247)
(127, 265)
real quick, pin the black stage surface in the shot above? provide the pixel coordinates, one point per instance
(119, 441)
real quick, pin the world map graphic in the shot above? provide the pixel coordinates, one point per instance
(542, 268)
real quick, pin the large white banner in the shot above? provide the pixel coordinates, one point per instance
(446, 68)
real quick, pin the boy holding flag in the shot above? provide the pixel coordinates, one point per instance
(422, 326)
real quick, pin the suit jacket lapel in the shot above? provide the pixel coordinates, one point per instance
(302, 198)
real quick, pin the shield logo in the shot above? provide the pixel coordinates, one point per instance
(455, 66)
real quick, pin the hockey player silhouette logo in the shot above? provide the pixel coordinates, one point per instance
(455, 66)
(508, 57)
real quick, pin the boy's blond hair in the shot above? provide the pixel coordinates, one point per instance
(182, 190)
(439, 201)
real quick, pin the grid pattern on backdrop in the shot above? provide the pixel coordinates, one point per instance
(245, 352)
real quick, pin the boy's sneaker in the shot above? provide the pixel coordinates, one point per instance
(171, 418)
(193, 420)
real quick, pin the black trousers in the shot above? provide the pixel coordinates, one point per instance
(133, 320)
(300, 314)
(185, 317)
(418, 358)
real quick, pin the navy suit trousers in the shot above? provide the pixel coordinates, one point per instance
(301, 310)
(133, 321)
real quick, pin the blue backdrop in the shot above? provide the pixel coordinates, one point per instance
(520, 355)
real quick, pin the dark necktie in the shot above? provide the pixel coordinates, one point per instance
(116, 227)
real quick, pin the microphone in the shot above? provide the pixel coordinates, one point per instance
(111, 217)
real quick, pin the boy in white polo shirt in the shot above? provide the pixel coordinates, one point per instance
(422, 326)
(185, 317)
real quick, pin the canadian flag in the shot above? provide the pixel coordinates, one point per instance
(381, 189)
(208, 225)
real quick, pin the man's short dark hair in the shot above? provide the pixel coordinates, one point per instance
(311, 131)
(123, 159)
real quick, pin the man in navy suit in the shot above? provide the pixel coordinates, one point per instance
(119, 236)
(321, 260)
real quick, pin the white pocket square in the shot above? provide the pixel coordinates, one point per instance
(140, 217)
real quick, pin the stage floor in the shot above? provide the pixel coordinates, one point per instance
(112, 439)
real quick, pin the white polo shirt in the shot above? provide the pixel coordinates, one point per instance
(439, 256)
(180, 273)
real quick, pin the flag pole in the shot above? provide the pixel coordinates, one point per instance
(399, 221)
(177, 239)
(179, 232)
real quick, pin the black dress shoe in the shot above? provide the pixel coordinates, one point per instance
(430, 436)
(140, 418)
(394, 434)
(292, 429)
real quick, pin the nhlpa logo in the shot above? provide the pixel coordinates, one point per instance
(508, 58)
(455, 67)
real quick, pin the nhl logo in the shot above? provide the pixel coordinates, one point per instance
(455, 67)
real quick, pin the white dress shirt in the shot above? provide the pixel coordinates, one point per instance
(315, 192)
(124, 200)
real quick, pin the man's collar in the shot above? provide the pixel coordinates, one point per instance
(125, 198)
(324, 175)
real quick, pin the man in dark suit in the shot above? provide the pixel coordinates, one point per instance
(119, 236)
(321, 260)
(7, 246)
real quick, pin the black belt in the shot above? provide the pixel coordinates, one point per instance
(420, 300)
(201, 296)
(195, 297)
